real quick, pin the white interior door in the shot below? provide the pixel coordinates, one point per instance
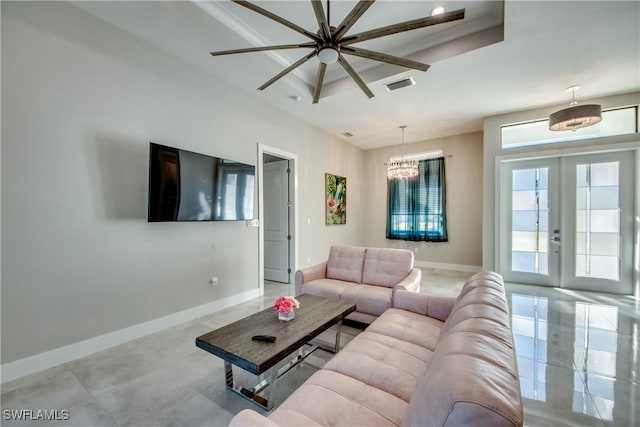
(568, 222)
(276, 221)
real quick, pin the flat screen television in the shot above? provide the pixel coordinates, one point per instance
(188, 186)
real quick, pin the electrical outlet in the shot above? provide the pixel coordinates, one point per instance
(213, 281)
(308, 259)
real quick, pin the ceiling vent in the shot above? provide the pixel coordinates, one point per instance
(400, 84)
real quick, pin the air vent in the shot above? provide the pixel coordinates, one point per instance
(347, 134)
(400, 84)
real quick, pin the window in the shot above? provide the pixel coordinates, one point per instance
(416, 208)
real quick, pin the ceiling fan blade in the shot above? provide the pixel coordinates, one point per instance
(319, 79)
(356, 78)
(353, 16)
(263, 48)
(404, 26)
(383, 57)
(288, 70)
(277, 18)
(322, 19)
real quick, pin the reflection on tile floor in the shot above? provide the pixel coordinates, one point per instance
(578, 356)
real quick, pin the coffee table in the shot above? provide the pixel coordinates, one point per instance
(233, 343)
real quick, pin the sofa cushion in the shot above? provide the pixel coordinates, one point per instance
(329, 398)
(345, 263)
(386, 267)
(482, 297)
(407, 326)
(369, 299)
(386, 363)
(328, 288)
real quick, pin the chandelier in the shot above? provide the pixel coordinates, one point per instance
(400, 169)
(575, 116)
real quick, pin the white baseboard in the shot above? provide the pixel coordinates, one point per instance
(29, 365)
(444, 266)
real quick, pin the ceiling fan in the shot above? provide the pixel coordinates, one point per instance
(330, 43)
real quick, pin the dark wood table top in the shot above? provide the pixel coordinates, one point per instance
(233, 342)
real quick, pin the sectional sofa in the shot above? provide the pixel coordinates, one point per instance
(369, 277)
(426, 361)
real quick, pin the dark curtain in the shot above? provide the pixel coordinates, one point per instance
(416, 208)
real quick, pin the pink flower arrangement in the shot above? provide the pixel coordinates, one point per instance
(286, 304)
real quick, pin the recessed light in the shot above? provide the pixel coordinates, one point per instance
(347, 134)
(438, 10)
(295, 98)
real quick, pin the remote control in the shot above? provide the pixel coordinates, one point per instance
(264, 338)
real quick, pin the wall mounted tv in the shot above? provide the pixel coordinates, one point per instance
(188, 186)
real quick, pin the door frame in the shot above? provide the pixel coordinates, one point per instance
(293, 218)
(532, 153)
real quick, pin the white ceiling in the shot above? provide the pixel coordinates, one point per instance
(547, 46)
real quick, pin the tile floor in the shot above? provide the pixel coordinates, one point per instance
(578, 357)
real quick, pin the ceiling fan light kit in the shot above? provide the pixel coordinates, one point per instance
(330, 43)
(328, 55)
(575, 116)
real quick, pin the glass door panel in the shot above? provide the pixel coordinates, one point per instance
(599, 239)
(598, 221)
(530, 257)
(530, 221)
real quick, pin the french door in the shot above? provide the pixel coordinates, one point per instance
(568, 222)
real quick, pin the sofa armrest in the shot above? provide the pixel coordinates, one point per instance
(249, 418)
(308, 274)
(438, 307)
(411, 282)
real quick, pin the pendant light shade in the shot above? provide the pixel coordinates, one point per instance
(400, 169)
(575, 116)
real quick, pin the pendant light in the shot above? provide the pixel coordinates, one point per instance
(401, 169)
(576, 116)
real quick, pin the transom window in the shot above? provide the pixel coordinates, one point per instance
(618, 121)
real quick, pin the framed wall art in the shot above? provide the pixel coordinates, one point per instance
(336, 199)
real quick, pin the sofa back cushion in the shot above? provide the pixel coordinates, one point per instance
(482, 290)
(345, 263)
(386, 267)
(472, 377)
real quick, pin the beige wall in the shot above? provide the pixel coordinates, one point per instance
(81, 100)
(464, 200)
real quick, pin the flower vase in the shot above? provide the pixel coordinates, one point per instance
(286, 316)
